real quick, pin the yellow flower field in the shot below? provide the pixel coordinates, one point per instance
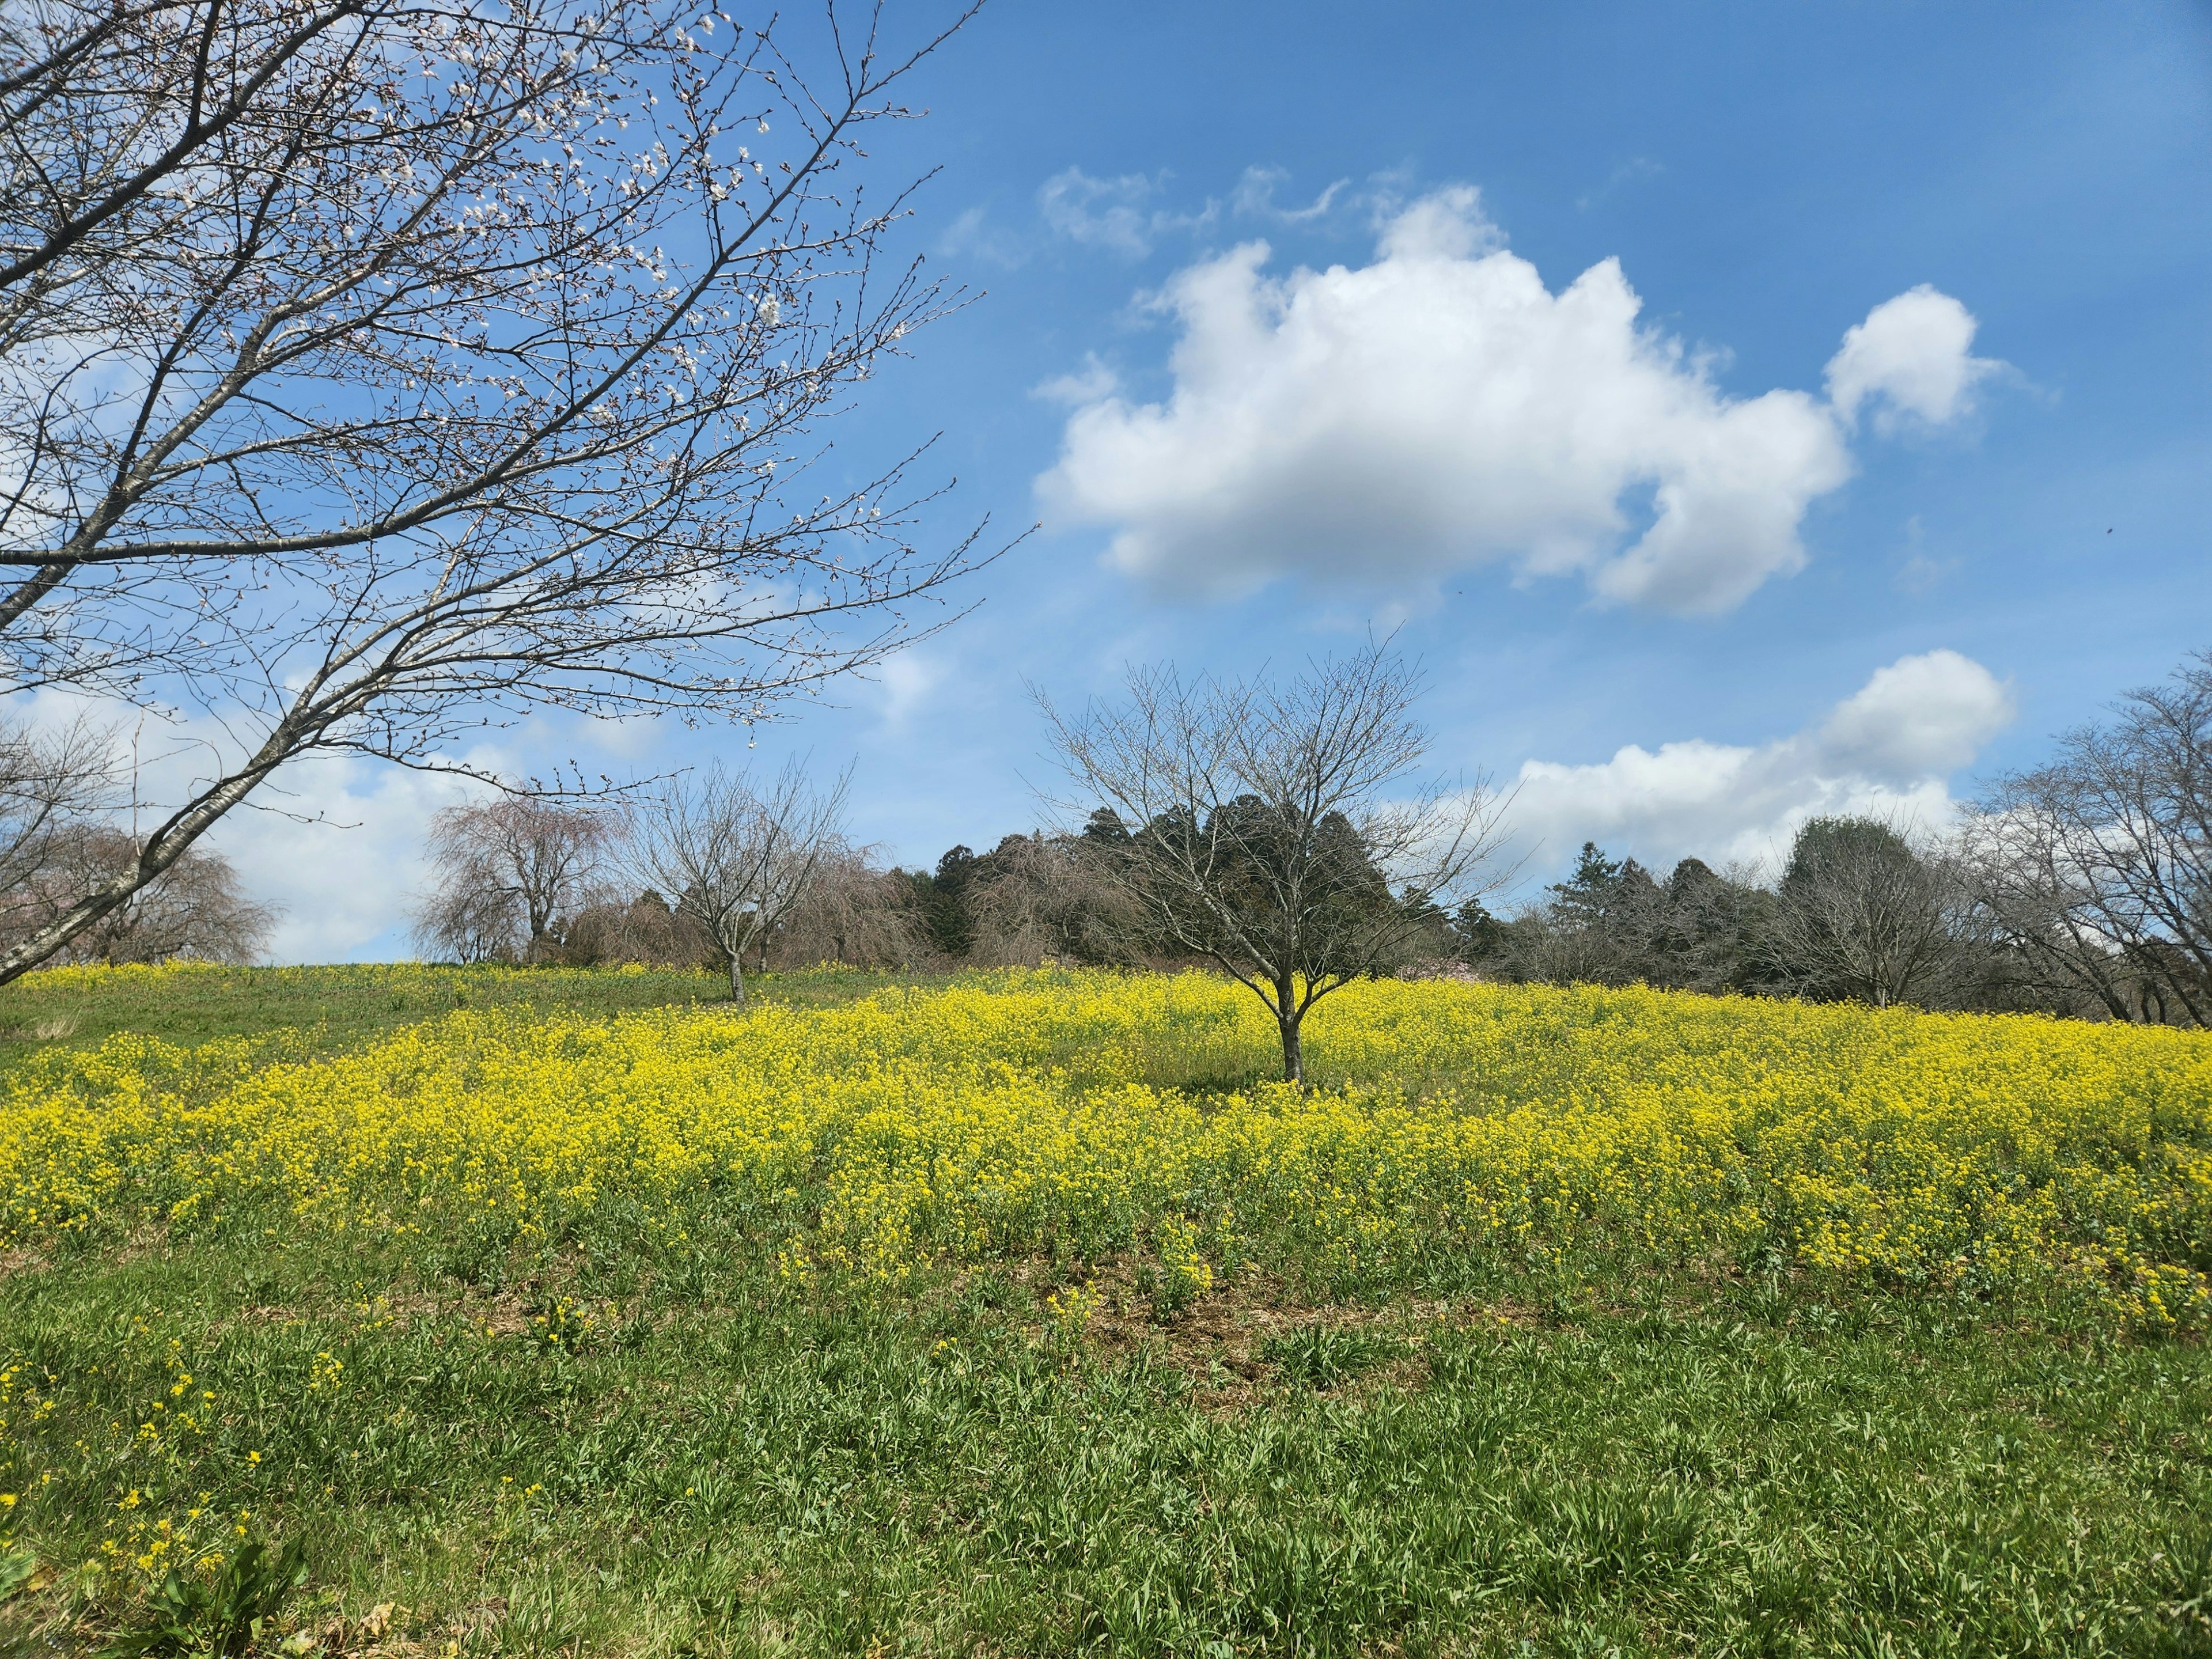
(1079, 1114)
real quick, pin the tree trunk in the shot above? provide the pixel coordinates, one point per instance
(737, 976)
(1294, 1057)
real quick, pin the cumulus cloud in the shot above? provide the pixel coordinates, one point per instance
(1888, 750)
(345, 877)
(1911, 357)
(1439, 408)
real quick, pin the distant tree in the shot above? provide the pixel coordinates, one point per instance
(58, 789)
(2096, 869)
(1706, 930)
(507, 870)
(739, 860)
(1860, 912)
(1104, 828)
(54, 785)
(1038, 896)
(1596, 927)
(940, 898)
(1610, 922)
(1268, 821)
(1592, 890)
(196, 911)
(1432, 935)
(611, 930)
(855, 912)
(1484, 939)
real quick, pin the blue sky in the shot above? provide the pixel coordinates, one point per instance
(1875, 587)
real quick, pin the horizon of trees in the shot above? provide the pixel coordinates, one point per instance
(2080, 888)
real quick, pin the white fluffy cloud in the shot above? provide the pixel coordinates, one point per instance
(1912, 356)
(344, 878)
(1888, 750)
(1440, 408)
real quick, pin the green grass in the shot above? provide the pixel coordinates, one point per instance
(715, 1460)
(342, 1007)
(723, 1465)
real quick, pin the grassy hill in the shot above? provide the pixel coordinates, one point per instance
(577, 1313)
(354, 1003)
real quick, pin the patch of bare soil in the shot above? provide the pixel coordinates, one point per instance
(1217, 1341)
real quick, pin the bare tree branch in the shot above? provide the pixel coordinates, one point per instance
(2098, 866)
(386, 371)
(739, 860)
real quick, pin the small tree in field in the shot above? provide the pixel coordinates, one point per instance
(507, 869)
(1263, 826)
(741, 860)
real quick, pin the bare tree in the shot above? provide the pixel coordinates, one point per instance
(609, 930)
(1262, 828)
(852, 912)
(507, 869)
(739, 861)
(1040, 897)
(374, 371)
(2098, 867)
(54, 785)
(1860, 913)
(195, 909)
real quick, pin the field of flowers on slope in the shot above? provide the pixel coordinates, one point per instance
(1021, 1314)
(1073, 1116)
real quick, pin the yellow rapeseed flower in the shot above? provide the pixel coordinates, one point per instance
(1063, 1112)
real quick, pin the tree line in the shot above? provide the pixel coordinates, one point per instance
(1264, 829)
(1267, 828)
(2081, 886)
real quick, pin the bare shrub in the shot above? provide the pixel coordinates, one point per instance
(1041, 897)
(853, 912)
(609, 931)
